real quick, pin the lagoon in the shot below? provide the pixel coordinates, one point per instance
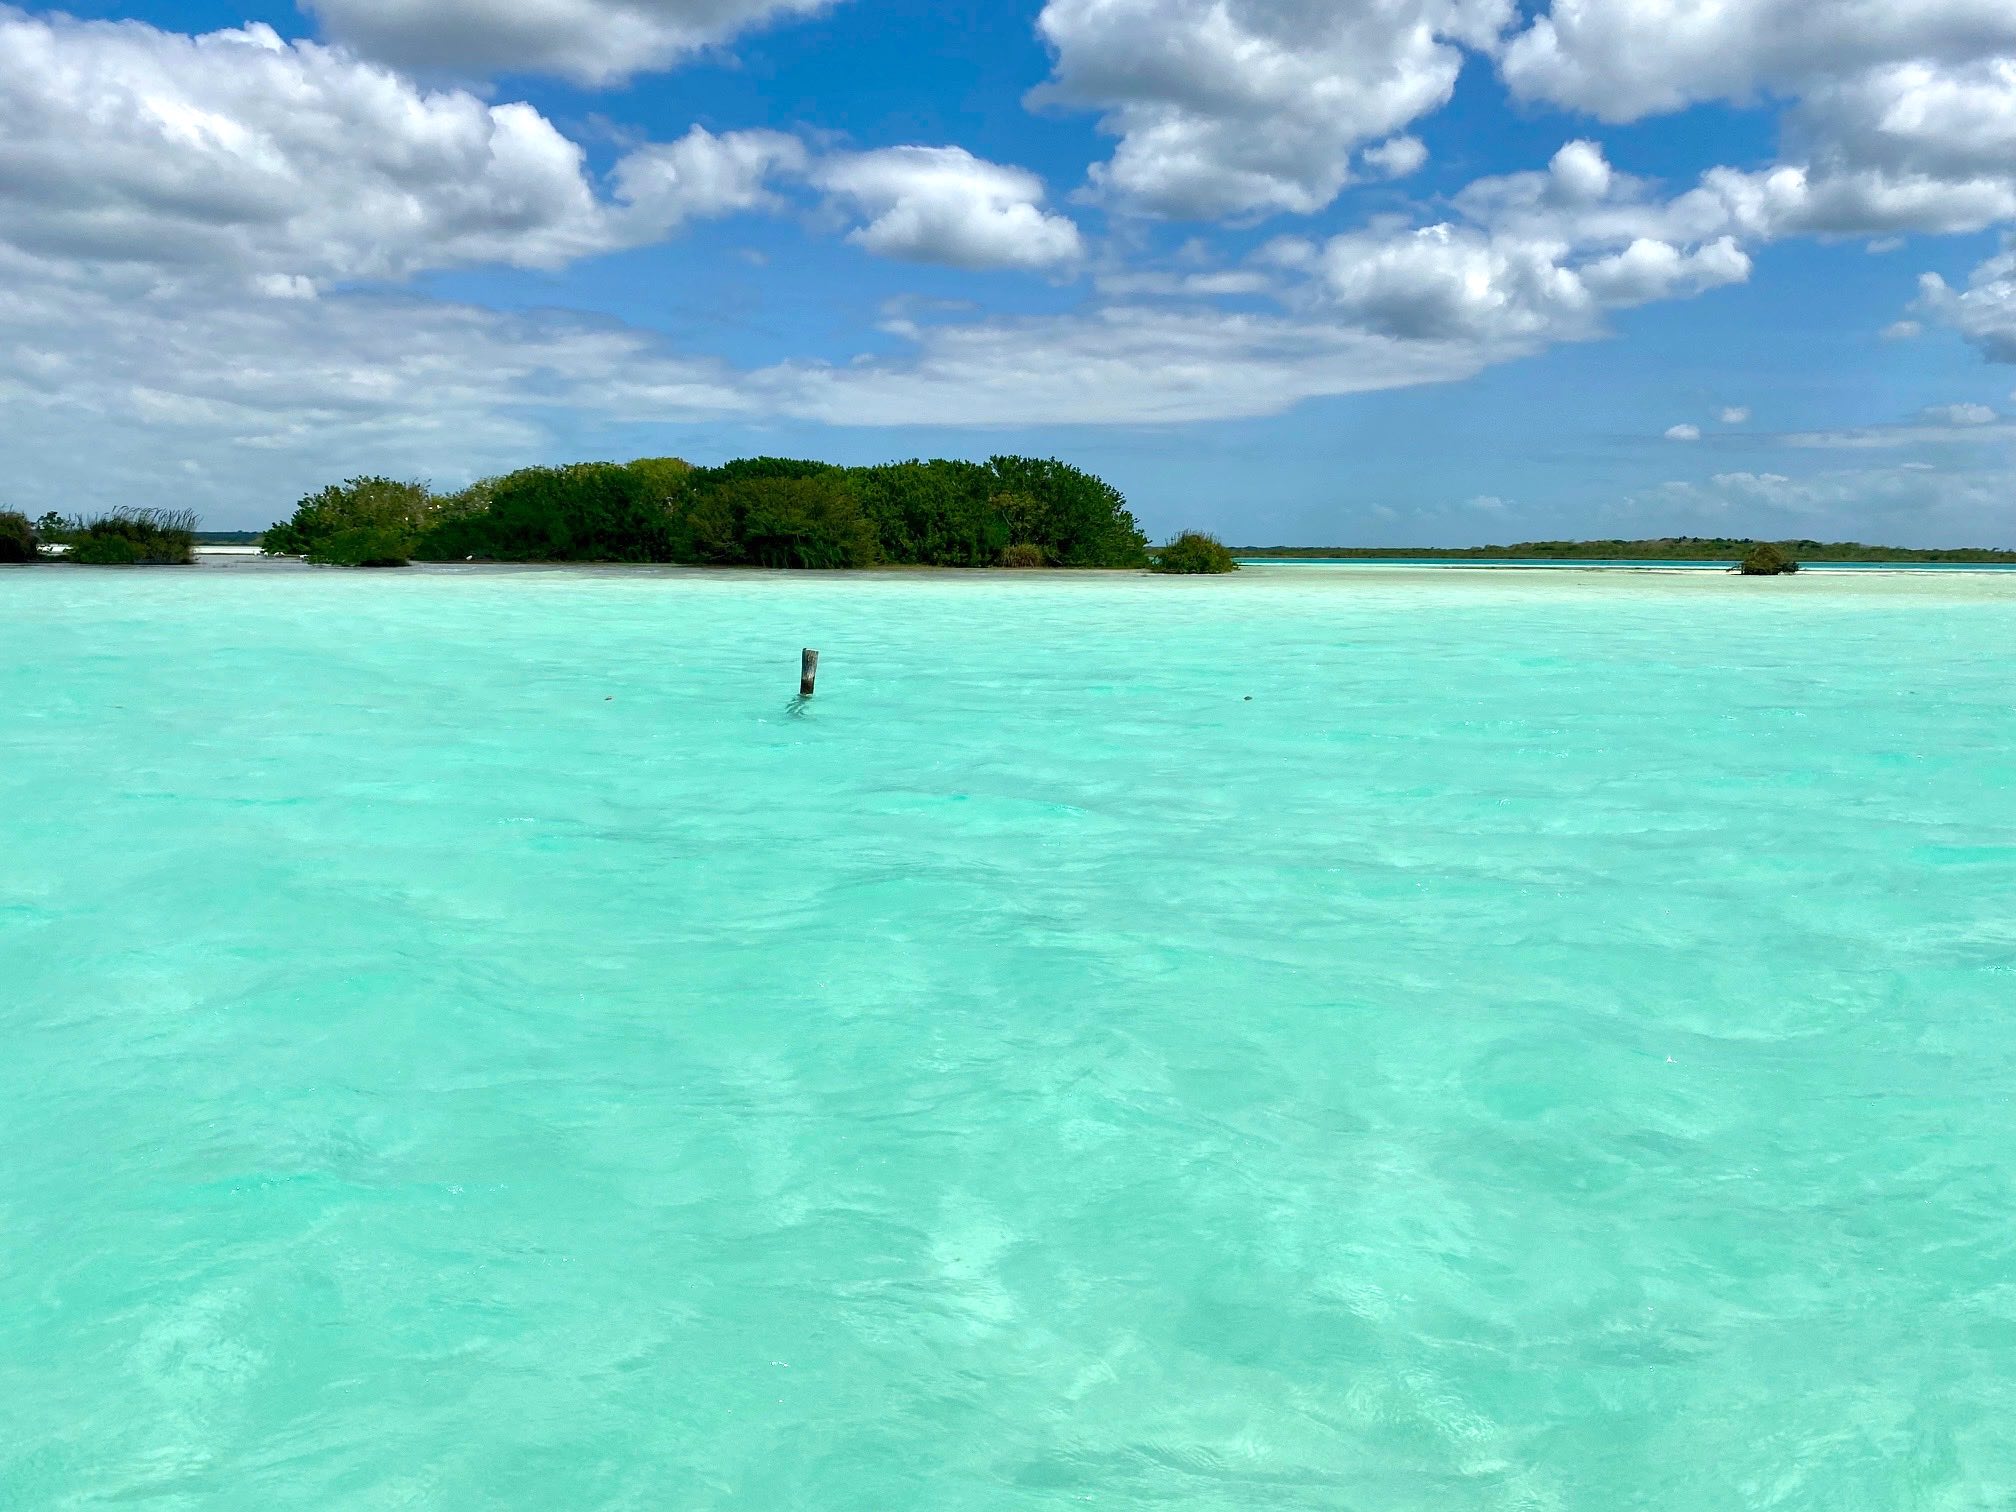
(1400, 1040)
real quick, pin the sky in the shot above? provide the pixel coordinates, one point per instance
(1382, 272)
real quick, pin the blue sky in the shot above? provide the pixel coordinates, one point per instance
(1316, 271)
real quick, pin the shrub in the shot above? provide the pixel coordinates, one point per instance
(1194, 552)
(1766, 560)
(366, 546)
(760, 511)
(103, 551)
(17, 537)
(1024, 554)
(1078, 520)
(939, 513)
(586, 512)
(366, 503)
(664, 476)
(153, 537)
(781, 521)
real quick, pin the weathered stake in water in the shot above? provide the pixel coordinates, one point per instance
(808, 672)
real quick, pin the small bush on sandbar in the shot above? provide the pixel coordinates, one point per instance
(134, 537)
(1194, 552)
(17, 537)
(1024, 554)
(1766, 560)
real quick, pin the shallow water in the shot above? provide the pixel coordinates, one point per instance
(467, 1042)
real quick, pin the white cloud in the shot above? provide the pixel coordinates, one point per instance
(1904, 505)
(1683, 433)
(1396, 157)
(702, 175)
(1984, 312)
(1625, 59)
(275, 396)
(1942, 425)
(1962, 414)
(1734, 414)
(1231, 107)
(1902, 330)
(237, 154)
(943, 205)
(1117, 365)
(591, 41)
(1452, 281)
(1901, 118)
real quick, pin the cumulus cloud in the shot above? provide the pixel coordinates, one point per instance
(1235, 107)
(1622, 60)
(1902, 114)
(287, 164)
(1984, 312)
(1535, 256)
(591, 41)
(1683, 433)
(943, 205)
(1734, 414)
(1395, 158)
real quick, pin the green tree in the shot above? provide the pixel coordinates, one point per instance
(812, 521)
(938, 513)
(1079, 520)
(385, 505)
(664, 476)
(366, 546)
(585, 512)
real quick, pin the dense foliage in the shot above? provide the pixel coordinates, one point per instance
(1661, 549)
(1766, 560)
(126, 537)
(755, 512)
(17, 537)
(1194, 552)
(363, 546)
(357, 504)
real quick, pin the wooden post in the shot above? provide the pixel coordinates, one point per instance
(808, 672)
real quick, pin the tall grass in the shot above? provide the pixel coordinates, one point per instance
(134, 537)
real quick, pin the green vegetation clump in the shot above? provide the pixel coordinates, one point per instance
(1023, 554)
(17, 537)
(368, 503)
(1766, 560)
(1194, 552)
(365, 546)
(754, 512)
(133, 537)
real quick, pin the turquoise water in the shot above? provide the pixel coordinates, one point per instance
(1591, 564)
(467, 1042)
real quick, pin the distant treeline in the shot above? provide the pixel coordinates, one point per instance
(1662, 549)
(759, 512)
